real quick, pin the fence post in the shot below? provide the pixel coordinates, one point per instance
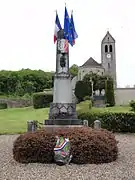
(31, 126)
(97, 124)
(85, 123)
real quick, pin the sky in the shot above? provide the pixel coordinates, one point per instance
(27, 29)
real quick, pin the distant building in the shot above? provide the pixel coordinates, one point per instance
(106, 67)
(90, 66)
(127, 86)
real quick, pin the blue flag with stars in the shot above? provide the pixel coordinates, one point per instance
(67, 28)
(73, 31)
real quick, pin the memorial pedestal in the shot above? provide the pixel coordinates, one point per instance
(62, 110)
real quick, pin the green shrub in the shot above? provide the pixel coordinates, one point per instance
(116, 122)
(3, 106)
(132, 105)
(86, 98)
(85, 105)
(87, 146)
(90, 105)
(42, 99)
(107, 105)
(81, 90)
(26, 96)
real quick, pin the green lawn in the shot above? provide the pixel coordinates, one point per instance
(15, 120)
(85, 107)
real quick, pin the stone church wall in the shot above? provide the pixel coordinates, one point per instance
(17, 103)
(86, 70)
(124, 95)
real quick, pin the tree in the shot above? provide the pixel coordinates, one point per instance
(98, 80)
(19, 91)
(73, 70)
(24, 81)
(81, 90)
(109, 92)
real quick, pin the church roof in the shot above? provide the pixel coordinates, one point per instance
(91, 62)
(108, 38)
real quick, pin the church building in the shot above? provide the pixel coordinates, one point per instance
(107, 67)
(108, 61)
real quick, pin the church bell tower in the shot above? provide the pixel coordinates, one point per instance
(108, 56)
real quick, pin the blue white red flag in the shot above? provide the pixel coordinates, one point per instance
(57, 27)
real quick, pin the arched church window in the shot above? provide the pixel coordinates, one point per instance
(110, 48)
(106, 48)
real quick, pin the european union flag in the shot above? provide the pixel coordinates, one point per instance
(73, 31)
(67, 27)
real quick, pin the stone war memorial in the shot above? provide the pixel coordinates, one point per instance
(64, 138)
(62, 109)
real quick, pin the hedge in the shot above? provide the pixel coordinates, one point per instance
(3, 106)
(116, 122)
(42, 99)
(87, 146)
(132, 105)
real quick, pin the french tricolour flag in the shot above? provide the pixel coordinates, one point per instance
(57, 27)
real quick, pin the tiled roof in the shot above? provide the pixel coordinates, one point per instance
(91, 62)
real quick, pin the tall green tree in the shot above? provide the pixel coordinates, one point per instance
(73, 70)
(81, 90)
(97, 80)
(109, 92)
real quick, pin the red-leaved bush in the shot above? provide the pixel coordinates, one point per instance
(87, 146)
(34, 147)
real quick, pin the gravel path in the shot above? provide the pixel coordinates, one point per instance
(122, 169)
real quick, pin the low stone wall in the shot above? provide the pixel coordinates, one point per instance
(123, 96)
(17, 103)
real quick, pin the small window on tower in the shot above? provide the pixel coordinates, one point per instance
(106, 48)
(108, 65)
(110, 48)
